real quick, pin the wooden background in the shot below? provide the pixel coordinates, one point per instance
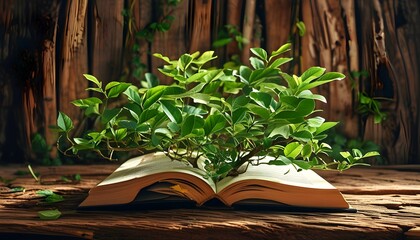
(46, 46)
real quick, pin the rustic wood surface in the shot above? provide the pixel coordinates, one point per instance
(388, 203)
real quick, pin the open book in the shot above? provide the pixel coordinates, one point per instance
(156, 178)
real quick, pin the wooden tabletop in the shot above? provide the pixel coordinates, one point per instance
(387, 199)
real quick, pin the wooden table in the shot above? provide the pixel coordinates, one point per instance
(388, 203)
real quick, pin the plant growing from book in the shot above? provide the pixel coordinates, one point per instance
(216, 118)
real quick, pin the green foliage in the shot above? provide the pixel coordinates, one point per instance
(49, 214)
(221, 117)
(301, 27)
(49, 196)
(370, 106)
(228, 34)
(367, 105)
(339, 144)
(42, 150)
(162, 23)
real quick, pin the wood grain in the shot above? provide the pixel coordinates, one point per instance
(74, 60)
(199, 26)
(387, 201)
(325, 44)
(107, 39)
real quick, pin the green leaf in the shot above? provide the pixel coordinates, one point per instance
(50, 196)
(214, 123)
(191, 123)
(133, 95)
(280, 61)
(312, 73)
(301, 27)
(283, 131)
(282, 160)
(93, 79)
(191, 110)
(64, 122)
(164, 58)
(244, 74)
(292, 101)
(346, 155)
(173, 112)
(282, 49)
(111, 85)
(306, 151)
(201, 98)
(259, 52)
(261, 98)
(153, 95)
(302, 164)
(261, 74)
(134, 110)
(87, 102)
(83, 144)
(205, 57)
(120, 134)
(222, 42)
(256, 63)
(213, 75)
(315, 122)
(238, 115)
(257, 110)
(371, 154)
(197, 76)
(303, 135)
(293, 149)
(99, 90)
(173, 127)
(109, 114)
(309, 95)
(151, 80)
(184, 61)
(306, 107)
(131, 125)
(49, 214)
(325, 126)
(326, 78)
(290, 80)
(17, 189)
(45, 192)
(117, 89)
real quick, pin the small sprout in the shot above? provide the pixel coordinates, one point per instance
(34, 175)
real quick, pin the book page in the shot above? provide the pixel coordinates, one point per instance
(151, 164)
(286, 174)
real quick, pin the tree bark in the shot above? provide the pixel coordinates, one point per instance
(28, 36)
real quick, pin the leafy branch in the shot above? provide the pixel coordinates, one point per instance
(220, 119)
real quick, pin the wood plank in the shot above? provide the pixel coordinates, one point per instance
(171, 43)
(380, 216)
(248, 30)
(28, 61)
(234, 18)
(278, 20)
(73, 60)
(12, 131)
(141, 11)
(327, 41)
(389, 79)
(107, 39)
(198, 28)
